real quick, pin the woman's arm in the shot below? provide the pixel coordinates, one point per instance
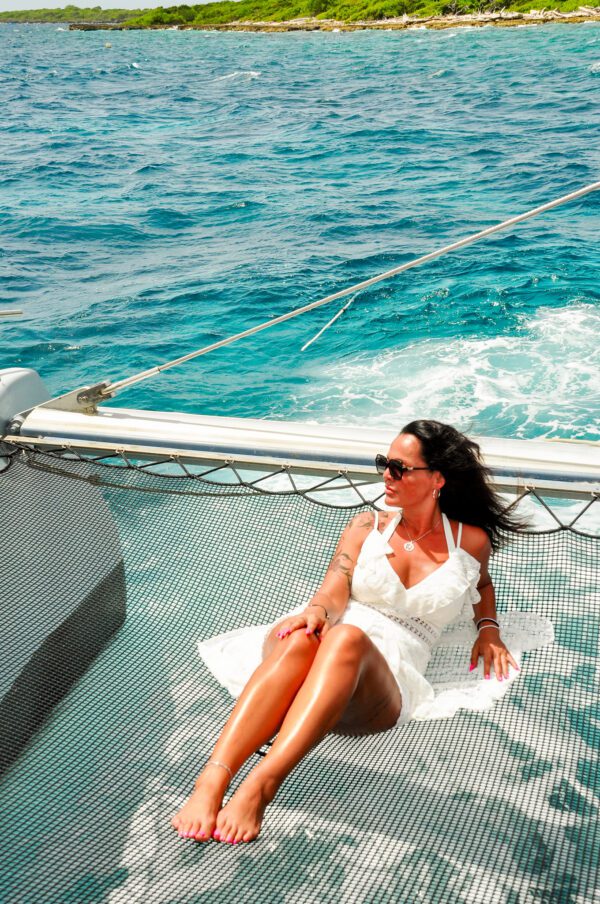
(489, 645)
(329, 602)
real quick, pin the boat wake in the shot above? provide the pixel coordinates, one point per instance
(543, 381)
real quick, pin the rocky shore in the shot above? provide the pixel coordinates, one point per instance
(501, 19)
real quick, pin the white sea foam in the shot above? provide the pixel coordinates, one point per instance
(543, 381)
(595, 67)
(246, 74)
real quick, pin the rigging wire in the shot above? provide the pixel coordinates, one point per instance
(328, 324)
(109, 389)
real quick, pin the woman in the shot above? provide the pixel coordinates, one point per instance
(352, 661)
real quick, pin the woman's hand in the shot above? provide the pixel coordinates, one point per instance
(313, 621)
(493, 650)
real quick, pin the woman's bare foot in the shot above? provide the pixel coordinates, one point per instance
(241, 818)
(197, 818)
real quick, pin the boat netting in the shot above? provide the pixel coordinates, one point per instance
(495, 806)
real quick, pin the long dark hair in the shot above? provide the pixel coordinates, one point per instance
(467, 494)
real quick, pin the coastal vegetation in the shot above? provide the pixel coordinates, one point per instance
(70, 13)
(228, 11)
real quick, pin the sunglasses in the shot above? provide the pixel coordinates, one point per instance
(394, 465)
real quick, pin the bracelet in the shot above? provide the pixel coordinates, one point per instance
(483, 627)
(487, 618)
(312, 605)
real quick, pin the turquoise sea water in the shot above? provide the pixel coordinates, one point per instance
(172, 188)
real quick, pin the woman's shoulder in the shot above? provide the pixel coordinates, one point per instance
(474, 540)
(366, 521)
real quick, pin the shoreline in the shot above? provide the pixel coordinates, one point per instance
(503, 19)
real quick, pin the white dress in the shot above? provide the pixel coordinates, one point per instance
(405, 624)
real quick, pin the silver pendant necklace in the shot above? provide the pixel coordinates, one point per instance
(410, 543)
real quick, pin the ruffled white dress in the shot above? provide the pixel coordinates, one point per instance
(406, 625)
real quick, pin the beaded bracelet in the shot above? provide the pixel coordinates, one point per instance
(312, 605)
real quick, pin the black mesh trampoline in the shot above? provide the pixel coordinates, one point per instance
(108, 713)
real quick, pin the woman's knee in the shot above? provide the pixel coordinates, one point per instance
(348, 640)
(297, 645)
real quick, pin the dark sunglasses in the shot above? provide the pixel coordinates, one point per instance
(394, 465)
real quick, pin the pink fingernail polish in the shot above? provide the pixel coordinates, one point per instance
(307, 631)
(216, 835)
(499, 677)
(487, 677)
(471, 667)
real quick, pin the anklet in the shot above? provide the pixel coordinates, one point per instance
(222, 765)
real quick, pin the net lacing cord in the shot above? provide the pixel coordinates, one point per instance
(531, 491)
(118, 460)
(66, 452)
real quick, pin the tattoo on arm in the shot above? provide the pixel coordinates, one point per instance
(342, 563)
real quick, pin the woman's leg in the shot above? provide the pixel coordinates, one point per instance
(349, 685)
(255, 718)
